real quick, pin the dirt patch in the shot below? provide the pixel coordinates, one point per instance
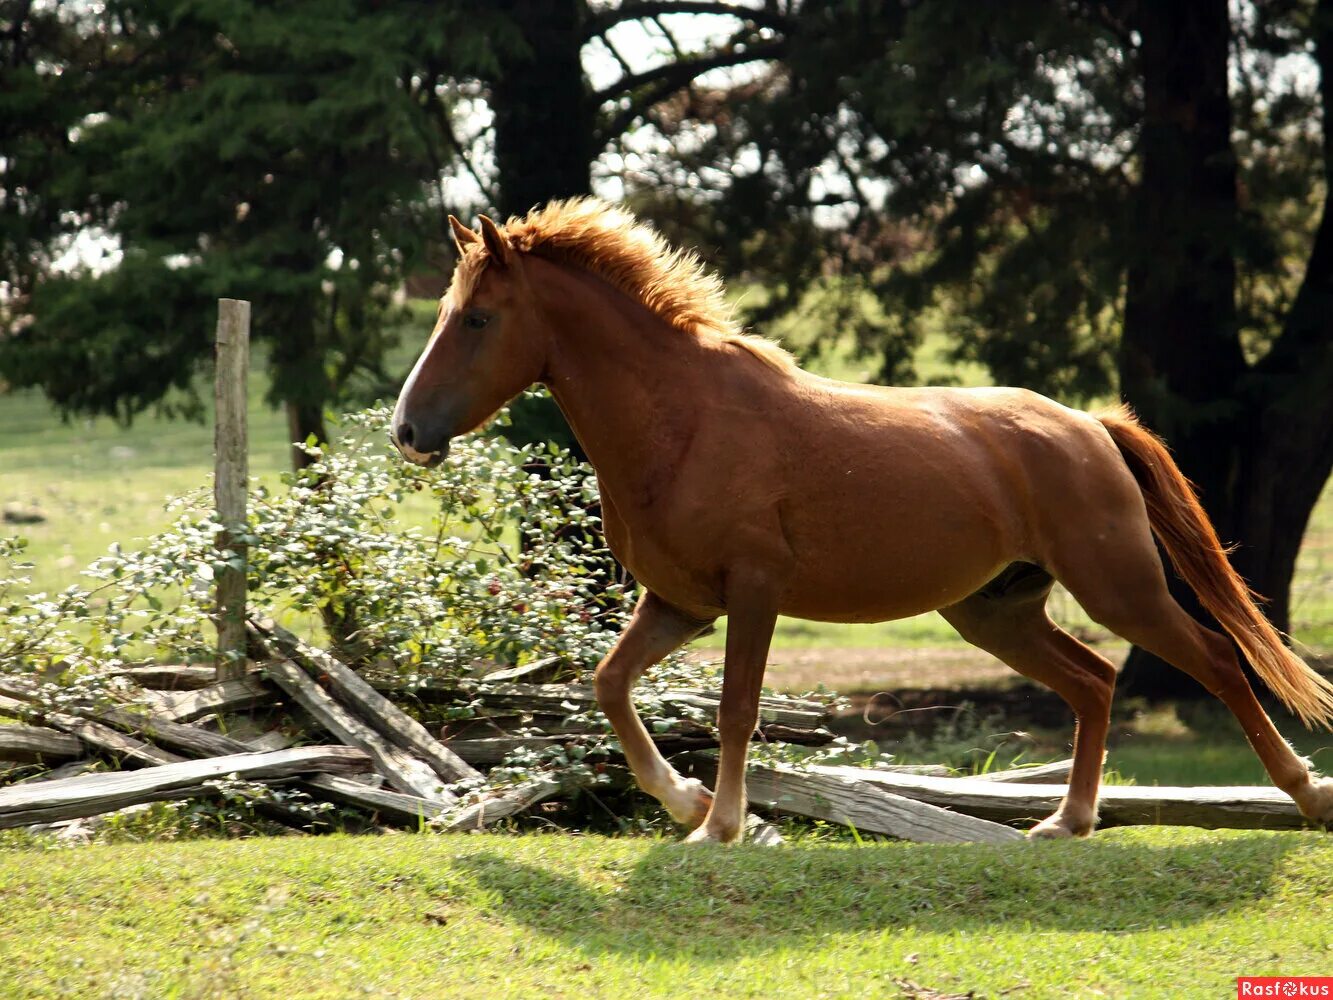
(894, 691)
(864, 671)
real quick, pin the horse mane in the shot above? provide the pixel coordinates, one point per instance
(610, 243)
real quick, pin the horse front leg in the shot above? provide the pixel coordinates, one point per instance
(751, 615)
(655, 630)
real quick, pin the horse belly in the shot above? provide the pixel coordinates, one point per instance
(868, 590)
(914, 548)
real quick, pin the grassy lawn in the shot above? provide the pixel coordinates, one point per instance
(1168, 912)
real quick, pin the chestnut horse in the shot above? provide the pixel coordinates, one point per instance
(734, 483)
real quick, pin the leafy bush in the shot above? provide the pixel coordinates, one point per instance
(488, 557)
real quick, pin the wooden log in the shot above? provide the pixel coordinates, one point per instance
(760, 833)
(71, 770)
(166, 677)
(1240, 807)
(492, 750)
(867, 808)
(38, 820)
(240, 695)
(38, 745)
(562, 699)
(405, 772)
(68, 798)
(17, 694)
(382, 714)
(487, 751)
(536, 672)
(502, 805)
(1054, 773)
(22, 696)
(107, 740)
(396, 807)
(274, 739)
(231, 479)
(194, 741)
(791, 712)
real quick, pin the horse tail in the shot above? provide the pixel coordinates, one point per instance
(1184, 531)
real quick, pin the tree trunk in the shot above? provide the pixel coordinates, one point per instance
(543, 147)
(543, 121)
(1254, 439)
(304, 422)
(1180, 356)
(1294, 382)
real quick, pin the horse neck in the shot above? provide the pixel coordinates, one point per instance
(630, 385)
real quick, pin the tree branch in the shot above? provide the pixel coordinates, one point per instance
(447, 127)
(669, 78)
(670, 38)
(631, 10)
(673, 77)
(625, 66)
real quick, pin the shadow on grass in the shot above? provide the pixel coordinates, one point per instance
(720, 901)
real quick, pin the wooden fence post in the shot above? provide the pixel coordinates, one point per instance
(230, 474)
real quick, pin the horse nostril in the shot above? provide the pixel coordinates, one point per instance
(405, 434)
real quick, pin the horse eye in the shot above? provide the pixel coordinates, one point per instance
(476, 320)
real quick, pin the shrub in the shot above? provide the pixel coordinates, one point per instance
(422, 571)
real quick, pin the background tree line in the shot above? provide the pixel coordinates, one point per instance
(1123, 196)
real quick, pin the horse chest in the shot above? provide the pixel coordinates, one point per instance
(666, 557)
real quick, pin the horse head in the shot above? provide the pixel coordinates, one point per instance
(488, 345)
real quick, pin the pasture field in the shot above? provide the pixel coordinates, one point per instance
(99, 483)
(1130, 913)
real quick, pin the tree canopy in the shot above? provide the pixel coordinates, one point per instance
(276, 153)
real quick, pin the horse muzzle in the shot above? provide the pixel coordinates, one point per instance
(405, 439)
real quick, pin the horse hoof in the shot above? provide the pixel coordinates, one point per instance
(1316, 804)
(689, 802)
(1058, 827)
(704, 835)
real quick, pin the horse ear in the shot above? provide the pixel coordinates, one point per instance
(463, 236)
(496, 242)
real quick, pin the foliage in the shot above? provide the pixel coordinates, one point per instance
(936, 155)
(295, 155)
(498, 576)
(285, 154)
(434, 574)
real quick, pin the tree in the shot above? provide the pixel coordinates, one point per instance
(281, 154)
(1253, 434)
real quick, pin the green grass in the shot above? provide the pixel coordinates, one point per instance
(1167, 912)
(1155, 748)
(1207, 748)
(98, 483)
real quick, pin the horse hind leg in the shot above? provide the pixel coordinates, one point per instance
(1008, 619)
(1210, 658)
(1128, 595)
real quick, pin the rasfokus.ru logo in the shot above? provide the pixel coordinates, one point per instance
(1285, 987)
